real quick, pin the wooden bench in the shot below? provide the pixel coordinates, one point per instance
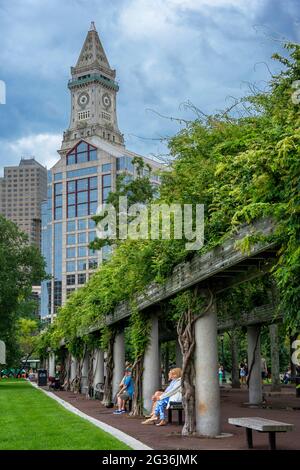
(261, 425)
(175, 406)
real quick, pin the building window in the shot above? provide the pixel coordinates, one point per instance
(58, 201)
(82, 197)
(58, 176)
(81, 251)
(82, 237)
(93, 263)
(81, 278)
(70, 292)
(92, 236)
(106, 186)
(82, 115)
(106, 167)
(82, 172)
(124, 163)
(82, 152)
(71, 227)
(70, 279)
(81, 224)
(92, 223)
(71, 267)
(71, 252)
(81, 265)
(106, 116)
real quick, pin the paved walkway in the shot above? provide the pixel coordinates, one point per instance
(282, 406)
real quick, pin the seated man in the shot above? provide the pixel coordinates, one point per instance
(125, 393)
(161, 400)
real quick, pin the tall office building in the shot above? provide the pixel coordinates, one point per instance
(22, 190)
(91, 156)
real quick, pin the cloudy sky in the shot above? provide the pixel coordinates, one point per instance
(166, 53)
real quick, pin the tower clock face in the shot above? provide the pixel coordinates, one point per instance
(83, 99)
(106, 101)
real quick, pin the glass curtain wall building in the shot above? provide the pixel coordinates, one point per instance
(91, 157)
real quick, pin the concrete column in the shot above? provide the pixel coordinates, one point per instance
(119, 361)
(178, 355)
(73, 372)
(151, 376)
(254, 365)
(98, 367)
(51, 371)
(275, 368)
(167, 360)
(207, 391)
(84, 373)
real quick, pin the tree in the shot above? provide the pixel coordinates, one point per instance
(27, 330)
(21, 267)
(242, 165)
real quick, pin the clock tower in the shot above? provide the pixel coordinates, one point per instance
(93, 95)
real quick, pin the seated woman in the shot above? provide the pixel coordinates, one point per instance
(125, 393)
(161, 399)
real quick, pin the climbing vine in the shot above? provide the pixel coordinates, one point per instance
(243, 165)
(139, 337)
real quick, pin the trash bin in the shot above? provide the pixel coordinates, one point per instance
(42, 377)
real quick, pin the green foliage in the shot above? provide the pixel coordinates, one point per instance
(139, 332)
(184, 301)
(242, 169)
(21, 267)
(27, 330)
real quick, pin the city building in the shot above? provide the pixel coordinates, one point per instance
(22, 190)
(92, 154)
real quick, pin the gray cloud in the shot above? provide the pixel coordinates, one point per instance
(165, 52)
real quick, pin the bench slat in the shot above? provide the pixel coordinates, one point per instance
(261, 424)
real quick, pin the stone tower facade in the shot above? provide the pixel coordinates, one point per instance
(93, 95)
(92, 156)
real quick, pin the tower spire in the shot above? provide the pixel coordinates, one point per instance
(93, 27)
(92, 52)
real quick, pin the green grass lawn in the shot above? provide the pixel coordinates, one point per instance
(29, 420)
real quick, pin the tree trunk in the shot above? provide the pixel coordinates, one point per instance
(188, 400)
(186, 338)
(275, 367)
(235, 371)
(107, 395)
(67, 369)
(91, 374)
(137, 402)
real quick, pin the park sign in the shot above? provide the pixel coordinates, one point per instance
(2, 353)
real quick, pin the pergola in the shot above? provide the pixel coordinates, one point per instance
(216, 271)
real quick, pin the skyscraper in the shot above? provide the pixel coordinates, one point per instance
(92, 154)
(22, 190)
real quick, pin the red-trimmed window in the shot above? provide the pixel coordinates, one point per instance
(81, 153)
(82, 197)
